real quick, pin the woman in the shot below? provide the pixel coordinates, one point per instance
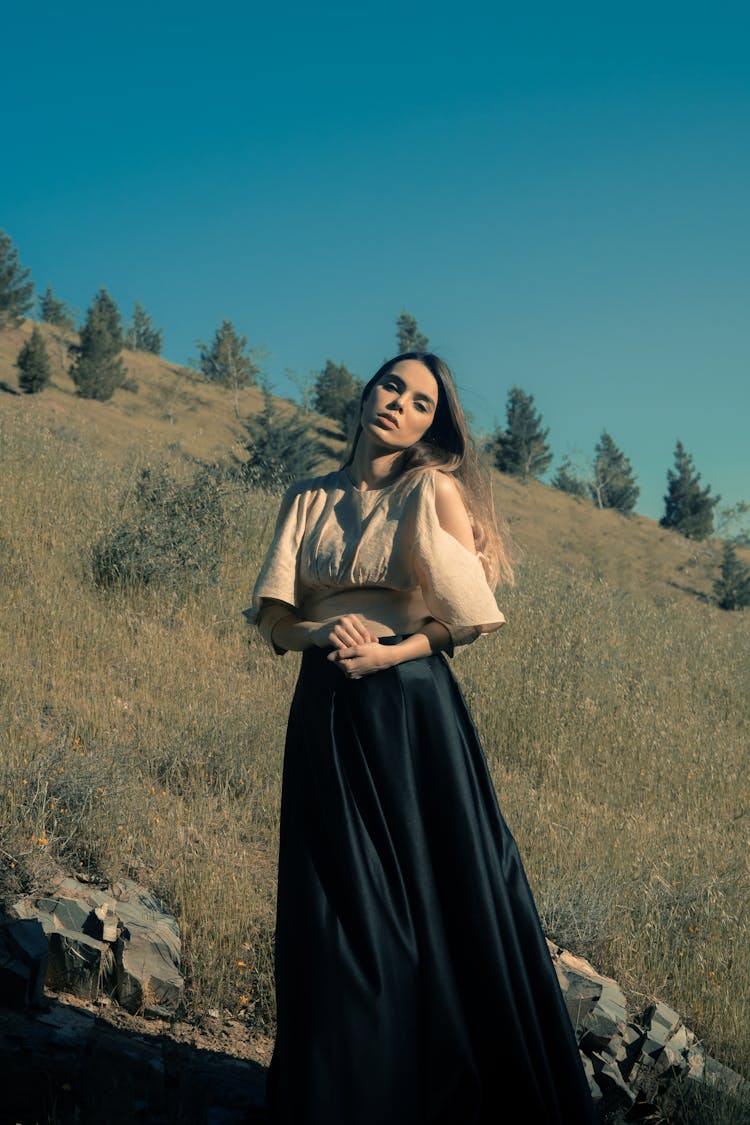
(413, 981)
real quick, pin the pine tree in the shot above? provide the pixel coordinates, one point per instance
(55, 312)
(336, 393)
(408, 336)
(280, 447)
(98, 370)
(16, 291)
(33, 364)
(732, 587)
(688, 508)
(229, 361)
(142, 336)
(521, 448)
(567, 480)
(613, 484)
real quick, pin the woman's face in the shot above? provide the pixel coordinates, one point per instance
(400, 408)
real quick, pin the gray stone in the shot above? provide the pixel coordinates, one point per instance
(23, 963)
(588, 1070)
(120, 938)
(660, 1022)
(678, 1041)
(608, 1015)
(78, 963)
(614, 1088)
(716, 1074)
(103, 924)
(696, 1063)
(148, 980)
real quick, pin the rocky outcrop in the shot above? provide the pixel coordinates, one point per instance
(630, 1059)
(120, 941)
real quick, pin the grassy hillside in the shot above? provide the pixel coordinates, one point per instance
(175, 413)
(144, 729)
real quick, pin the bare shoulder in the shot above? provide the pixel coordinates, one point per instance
(451, 510)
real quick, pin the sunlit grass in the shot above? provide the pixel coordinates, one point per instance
(144, 734)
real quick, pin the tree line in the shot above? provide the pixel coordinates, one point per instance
(279, 445)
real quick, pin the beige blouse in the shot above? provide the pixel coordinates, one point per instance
(380, 553)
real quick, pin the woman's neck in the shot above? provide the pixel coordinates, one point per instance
(373, 468)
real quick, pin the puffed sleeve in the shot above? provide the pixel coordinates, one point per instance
(453, 580)
(276, 589)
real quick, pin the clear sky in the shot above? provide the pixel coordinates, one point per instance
(558, 192)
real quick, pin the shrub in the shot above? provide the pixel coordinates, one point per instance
(174, 540)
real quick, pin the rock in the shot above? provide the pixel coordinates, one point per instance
(79, 963)
(24, 954)
(102, 923)
(615, 1090)
(716, 1074)
(120, 940)
(660, 1022)
(625, 1059)
(148, 980)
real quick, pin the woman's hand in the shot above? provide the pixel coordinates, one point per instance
(342, 632)
(356, 661)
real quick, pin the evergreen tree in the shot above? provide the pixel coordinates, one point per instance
(98, 370)
(280, 447)
(567, 480)
(732, 587)
(16, 291)
(521, 448)
(229, 361)
(408, 336)
(33, 364)
(55, 312)
(142, 336)
(613, 484)
(336, 393)
(688, 508)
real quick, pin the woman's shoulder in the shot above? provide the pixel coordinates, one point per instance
(449, 506)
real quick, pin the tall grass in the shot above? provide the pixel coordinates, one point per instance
(145, 735)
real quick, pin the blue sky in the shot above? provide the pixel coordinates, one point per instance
(559, 194)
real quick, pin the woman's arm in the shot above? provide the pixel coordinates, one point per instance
(288, 632)
(360, 660)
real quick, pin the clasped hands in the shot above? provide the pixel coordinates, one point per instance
(355, 650)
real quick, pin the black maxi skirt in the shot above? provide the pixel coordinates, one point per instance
(413, 982)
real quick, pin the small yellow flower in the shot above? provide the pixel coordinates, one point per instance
(242, 964)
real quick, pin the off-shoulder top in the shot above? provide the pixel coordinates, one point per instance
(380, 553)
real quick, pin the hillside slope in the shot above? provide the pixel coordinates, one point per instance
(175, 414)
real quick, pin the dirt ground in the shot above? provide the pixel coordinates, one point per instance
(213, 1031)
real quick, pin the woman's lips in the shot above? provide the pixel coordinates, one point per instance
(390, 420)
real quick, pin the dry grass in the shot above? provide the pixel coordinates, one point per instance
(144, 731)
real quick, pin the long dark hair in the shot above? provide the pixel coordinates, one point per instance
(448, 446)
